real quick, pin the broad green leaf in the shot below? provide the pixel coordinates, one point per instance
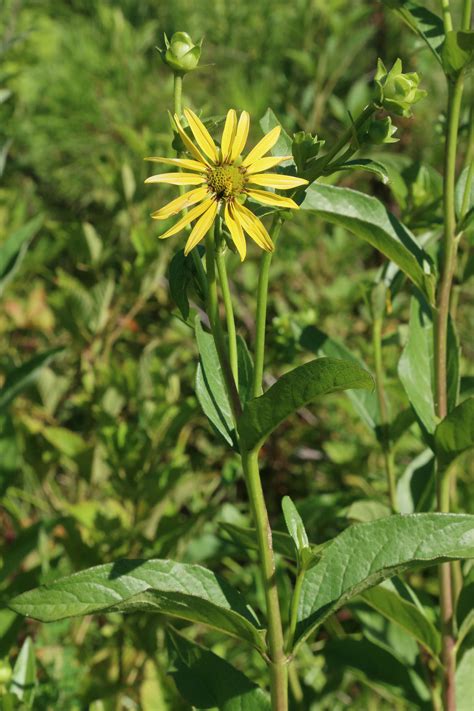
(416, 365)
(365, 554)
(295, 389)
(455, 434)
(457, 51)
(210, 386)
(370, 166)
(190, 592)
(422, 21)
(367, 218)
(405, 614)
(14, 249)
(22, 377)
(23, 682)
(465, 681)
(364, 401)
(367, 510)
(416, 487)
(207, 681)
(373, 664)
(295, 525)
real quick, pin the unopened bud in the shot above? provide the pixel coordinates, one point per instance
(181, 54)
(396, 91)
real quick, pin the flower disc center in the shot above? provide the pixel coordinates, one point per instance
(226, 181)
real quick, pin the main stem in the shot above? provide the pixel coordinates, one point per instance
(262, 299)
(449, 253)
(381, 397)
(278, 662)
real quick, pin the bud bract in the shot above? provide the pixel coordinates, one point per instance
(397, 91)
(181, 54)
(378, 131)
(305, 148)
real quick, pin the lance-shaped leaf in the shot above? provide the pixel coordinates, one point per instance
(210, 386)
(190, 592)
(22, 377)
(404, 614)
(371, 166)
(14, 249)
(207, 681)
(23, 682)
(422, 21)
(365, 554)
(416, 365)
(367, 218)
(294, 390)
(364, 401)
(455, 434)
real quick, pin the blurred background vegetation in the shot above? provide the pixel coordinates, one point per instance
(108, 454)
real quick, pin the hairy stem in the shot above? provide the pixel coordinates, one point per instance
(213, 314)
(178, 109)
(449, 253)
(261, 319)
(229, 314)
(278, 662)
(382, 400)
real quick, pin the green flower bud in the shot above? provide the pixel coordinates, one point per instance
(378, 131)
(396, 91)
(181, 54)
(305, 148)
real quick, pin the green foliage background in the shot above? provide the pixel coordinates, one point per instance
(109, 455)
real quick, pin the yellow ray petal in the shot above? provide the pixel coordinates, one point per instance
(180, 162)
(235, 228)
(275, 180)
(180, 203)
(272, 199)
(189, 217)
(241, 135)
(190, 147)
(228, 134)
(202, 135)
(265, 164)
(254, 227)
(262, 146)
(201, 227)
(177, 179)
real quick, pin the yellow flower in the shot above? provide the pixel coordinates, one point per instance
(224, 180)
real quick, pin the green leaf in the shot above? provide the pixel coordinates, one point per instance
(210, 386)
(455, 434)
(294, 390)
(295, 525)
(282, 543)
(207, 681)
(367, 218)
(416, 365)
(374, 665)
(189, 592)
(457, 51)
(370, 166)
(460, 190)
(416, 487)
(180, 276)
(465, 681)
(422, 21)
(364, 401)
(23, 682)
(284, 144)
(365, 554)
(14, 249)
(25, 375)
(405, 614)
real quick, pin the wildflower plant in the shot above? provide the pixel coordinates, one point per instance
(228, 188)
